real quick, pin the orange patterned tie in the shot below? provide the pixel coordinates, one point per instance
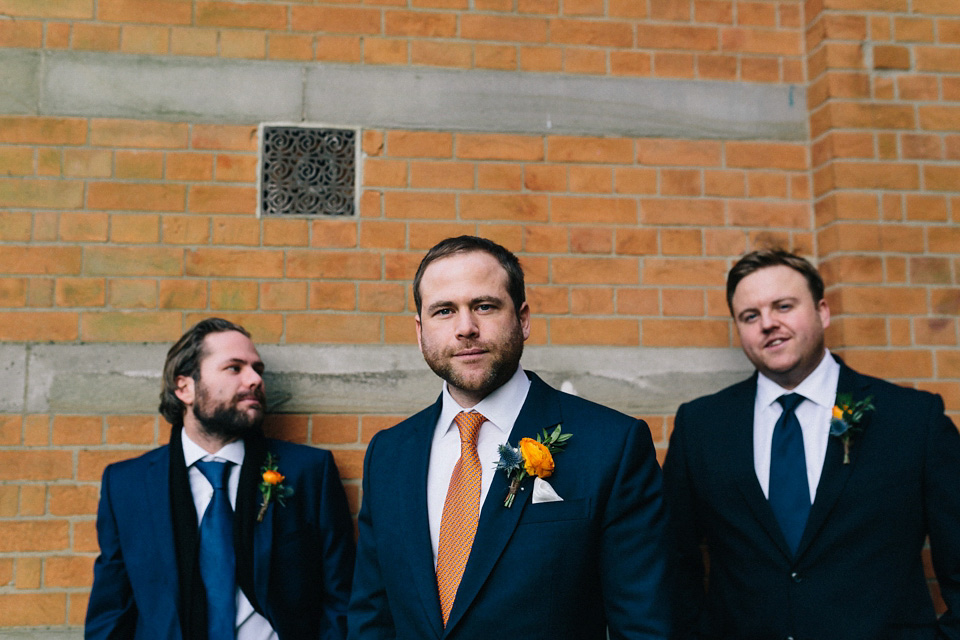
(461, 511)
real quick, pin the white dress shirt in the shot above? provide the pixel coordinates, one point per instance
(250, 624)
(500, 409)
(820, 392)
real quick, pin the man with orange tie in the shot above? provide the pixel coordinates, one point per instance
(471, 528)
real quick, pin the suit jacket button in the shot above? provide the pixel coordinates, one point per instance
(789, 638)
(796, 578)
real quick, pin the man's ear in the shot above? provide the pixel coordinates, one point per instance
(186, 389)
(419, 343)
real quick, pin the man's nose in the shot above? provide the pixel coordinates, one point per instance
(466, 325)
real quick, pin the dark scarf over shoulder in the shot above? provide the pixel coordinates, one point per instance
(193, 599)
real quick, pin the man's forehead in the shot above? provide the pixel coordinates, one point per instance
(229, 345)
(770, 284)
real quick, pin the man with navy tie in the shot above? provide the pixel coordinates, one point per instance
(446, 549)
(222, 534)
(812, 486)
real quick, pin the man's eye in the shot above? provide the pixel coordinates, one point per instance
(443, 312)
(748, 317)
(234, 367)
(485, 307)
(785, 306)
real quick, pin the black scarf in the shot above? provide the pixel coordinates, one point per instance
(193, 597)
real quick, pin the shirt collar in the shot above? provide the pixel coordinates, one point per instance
(500, 407)
(819, 387)
(192, 452)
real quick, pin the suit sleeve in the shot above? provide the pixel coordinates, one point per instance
(633, 545)
(685, 534)
(942, 507)
(338, 552)
(111, 611)
(369, 616)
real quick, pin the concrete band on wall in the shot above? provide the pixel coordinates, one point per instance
(235, 91)
(118, 379)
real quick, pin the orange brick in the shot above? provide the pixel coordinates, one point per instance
(138, 134)
(543, 300)
(582, 149)
(568, 209)
(236, 168)
(701, 212)
(335, 20)
(424, 235)
(87, 163)
(591, 301)
(681, 242)
(185, 294)
(630, 63)
(382, 297)
(593, 331)
(250, 15)
(357, 265)
(13, 292)
(591, 33)
(120, 430)
(682, 302)
(690, 38)
(680, 271)
(570, 270)
(525, 208)
(35, 465)
(766, 185)
(283, 296)
(130, 261)
(420, 24)
(416, 144)
(155, 11)
(441, 54)
(541, 58)
(765, 155)
(545, 239)
(47, 194)
(926, 207)
(680, 182)
(332, 328)
(135, 197)
(189, 166)
(591, 240)
(382, 234)
(750, 213)
(935, 331)
(236, 231)
(499, 147)
(654, 151)
(411, 204)
(335, 429)
(130, 326)
(243, 44)
(545, 177)
(222, 199)
(380, 172)
(642, 302)
(675, 332)
(238, 263)
(869, 175)
(32, 609)
(80, 292)
(134, 228)
(499, 176)
(635, 180)
(333, 233)
(144, 39)
(285, 232)
(289, 47)
(223, 137)
(375, 51)
(503, 29)
(193, 41)
(95, 37)
(185, 229)
(441, 175)
(233, 295)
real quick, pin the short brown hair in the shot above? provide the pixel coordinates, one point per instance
(763, 258)
(468, 244)
(183, 359)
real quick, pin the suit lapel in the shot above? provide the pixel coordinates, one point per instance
(497, 523)
(740, 419)
(411, 503)
(155, 492)
(255, 538)
(834, 476)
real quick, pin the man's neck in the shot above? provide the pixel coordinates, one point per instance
(210, 443)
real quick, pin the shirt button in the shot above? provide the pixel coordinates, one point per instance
(796, 578)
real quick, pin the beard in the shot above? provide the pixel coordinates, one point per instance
(226, 420)
(505, 359)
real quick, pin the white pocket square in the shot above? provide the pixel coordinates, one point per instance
(543, 492)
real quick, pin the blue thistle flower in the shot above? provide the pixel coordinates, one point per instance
(510, 458)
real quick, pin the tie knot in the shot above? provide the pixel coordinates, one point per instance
(789, 401)
(215, 472)
(469, 425)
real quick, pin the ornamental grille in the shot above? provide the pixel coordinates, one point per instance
(307, 171)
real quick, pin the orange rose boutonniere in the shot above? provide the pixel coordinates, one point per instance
(847, 420)
(271, 486)
(531, 458)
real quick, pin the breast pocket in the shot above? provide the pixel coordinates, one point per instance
(556, 511)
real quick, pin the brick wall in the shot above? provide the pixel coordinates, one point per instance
(122, 230)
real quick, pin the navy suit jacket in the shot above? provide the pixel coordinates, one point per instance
(302, 561)
(552, 570)
(858, 572)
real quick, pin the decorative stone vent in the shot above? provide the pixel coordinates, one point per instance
(307, 171)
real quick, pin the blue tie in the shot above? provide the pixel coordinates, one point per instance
(789, 490)
(217, 558)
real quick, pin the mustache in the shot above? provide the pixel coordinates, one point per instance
(256, 394)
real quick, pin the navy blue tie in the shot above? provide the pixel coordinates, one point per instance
(217, 558)
(789, 490)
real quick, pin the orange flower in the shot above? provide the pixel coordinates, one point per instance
(272, 477)
(837, 413)
(537, 460)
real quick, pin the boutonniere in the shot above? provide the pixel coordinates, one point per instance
(271, 486)
(530, 458)
(847, 420)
